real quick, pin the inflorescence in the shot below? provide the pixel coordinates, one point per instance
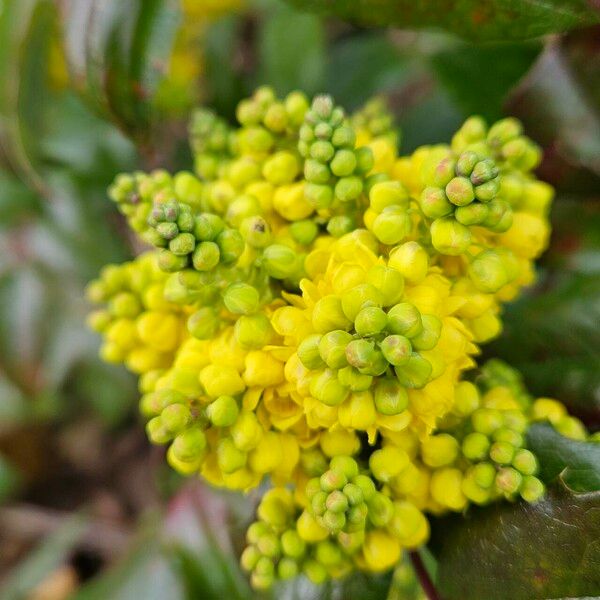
(307, 314)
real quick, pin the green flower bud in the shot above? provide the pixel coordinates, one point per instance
(389, 282)
(525, 462)
(460, 191)
(315, 571)
(337, 502)
(242, 208)
(328, 553)
(167, 231)
(486, 420)
(229, 457)
(156, 431)
(434, 203)
(207, 227)
(497, 211)
(203, 324)
(231, 245)
(241, 299)
(256, 231)
(316, 172)
(264, 567)
(318, 503)
(323, 131)
(508, 480)
(364, 356)
(416, 373)
(124, 305)
(487, 272)
(515, 420)
(381, 510)
(343, 163)
(354, 494)
(319, 196)
(450, 237)
(348, 188)
(388, 193)
(326, 388)
(322, 151)
(332, 348)
(287, 568)
(176, 417)
(188, 445)
(475, 446)
(280, 262)
(255, 531)
(371, 320)
(484, 171)
(502, 453)
(292, 544)
(170, 262)
(473, 214)
(532, 489)
(249, 558)
(508, 435)
(340, 225)
(308, 352)
(253, 331)
(328, 315)
(444, 172)
(344, 464)
(405, 319)
(333, 479)
(304, 232)
(484, 474)
(429, 336)
(366, 485)
(466, 163)
(365, 161)
(223, 412)
(487, 191)
(396, 349)
(343, 137)
(206, 256)
(392, 225)
(359, 297)
(354, 379)
(333, 521)
(390, 397)
(503, 131)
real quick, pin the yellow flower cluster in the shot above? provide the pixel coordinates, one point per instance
(307, 315)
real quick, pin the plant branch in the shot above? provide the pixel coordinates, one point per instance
(423, 577)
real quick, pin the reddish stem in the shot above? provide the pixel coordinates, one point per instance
(423, 576)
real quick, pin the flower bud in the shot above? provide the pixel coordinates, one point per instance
(256, 231)
(525, 462)
(170, 262)
(466, 163)
(223, 412)
(410, 259)
(371, 320)
(388, 282)
(203, 323)
(206, 256)
(308, 352)
(354, 379)
(450, 237)
(364, 356)
(502, 453)
(387, 462)
(460, 191)
(508, 480)
(392, 225)
(390, 397)
(348, 188)
(388, 193)
(241, 299)
(487, 272)
(326, 388)
(532, 489)
(176, 417)
(475, 446)
(381, 510)
(253, 331)
(486, 420)
(434, 203)
(187, 446)
(304, 232)
(473, 214)
(358, 297)
(280, 262)
(292, 544)
(231, 245)
(207, 227)
(229, 457)
(439, 450)
(396, 349)
(405, 319)
(328, 314)
(428, 338)
(319, 196)
(415, 373)
(332, 348)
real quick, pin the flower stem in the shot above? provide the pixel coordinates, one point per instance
(423, 577)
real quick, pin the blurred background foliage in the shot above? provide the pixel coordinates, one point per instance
(89, 88)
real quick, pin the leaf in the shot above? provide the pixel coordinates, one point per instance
(47, 557)
(291, 50)
(521, 551)
(9, 479)
(577, 463)
(479, 78)
(117, 52)
(493, 20)
(25, 28)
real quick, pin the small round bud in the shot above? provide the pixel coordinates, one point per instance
(231, 245)
(188, 445)
(223, 412)
(532, 489)
(280, 262)
(388, 281)
(371, 320)
(450, 237)
(410, 259)
(332, 348)
(508, 480)
(241, 299)
(484, 474)
(304, 232)
(473, 214)
(396, 349)
(475, 446)
(333, 479)
(486, 420)
(439, 450)
(416, 373)
(328, 314)
(390, 397)
(502, 453)
(487, 272)
(392, 226)
(358, 297)
(337, 502)
(308, 352)
(466, 163)
(405, 319)
(435, 204)
(203, 323)
(525, 462)
(206, 256)
(327, 388)
(207, 227)
(256, 231)
(388, 193)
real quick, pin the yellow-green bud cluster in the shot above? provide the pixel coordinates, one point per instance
(306, 318)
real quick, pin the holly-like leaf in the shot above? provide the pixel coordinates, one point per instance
(492, 20)
(577, 463)
(117, 52)
(521, 551)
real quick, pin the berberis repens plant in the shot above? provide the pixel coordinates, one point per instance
(308, 320)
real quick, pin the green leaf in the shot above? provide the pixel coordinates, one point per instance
(577, 463)
(291, 49)
(25, 28)
(47, 557)
(479, 78)
(492, 20)
(9, 479)
(521, 551)
(117, 52)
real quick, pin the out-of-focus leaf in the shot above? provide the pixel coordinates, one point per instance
(557, 113)
(117, 53)
(480, 77)
(521, 551)
(9, 479)
(577, 463)
(492, 20)
(291, 48)
(25, 28)
(48, 556)
(17, 202)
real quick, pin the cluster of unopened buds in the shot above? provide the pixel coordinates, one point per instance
(308, 319)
